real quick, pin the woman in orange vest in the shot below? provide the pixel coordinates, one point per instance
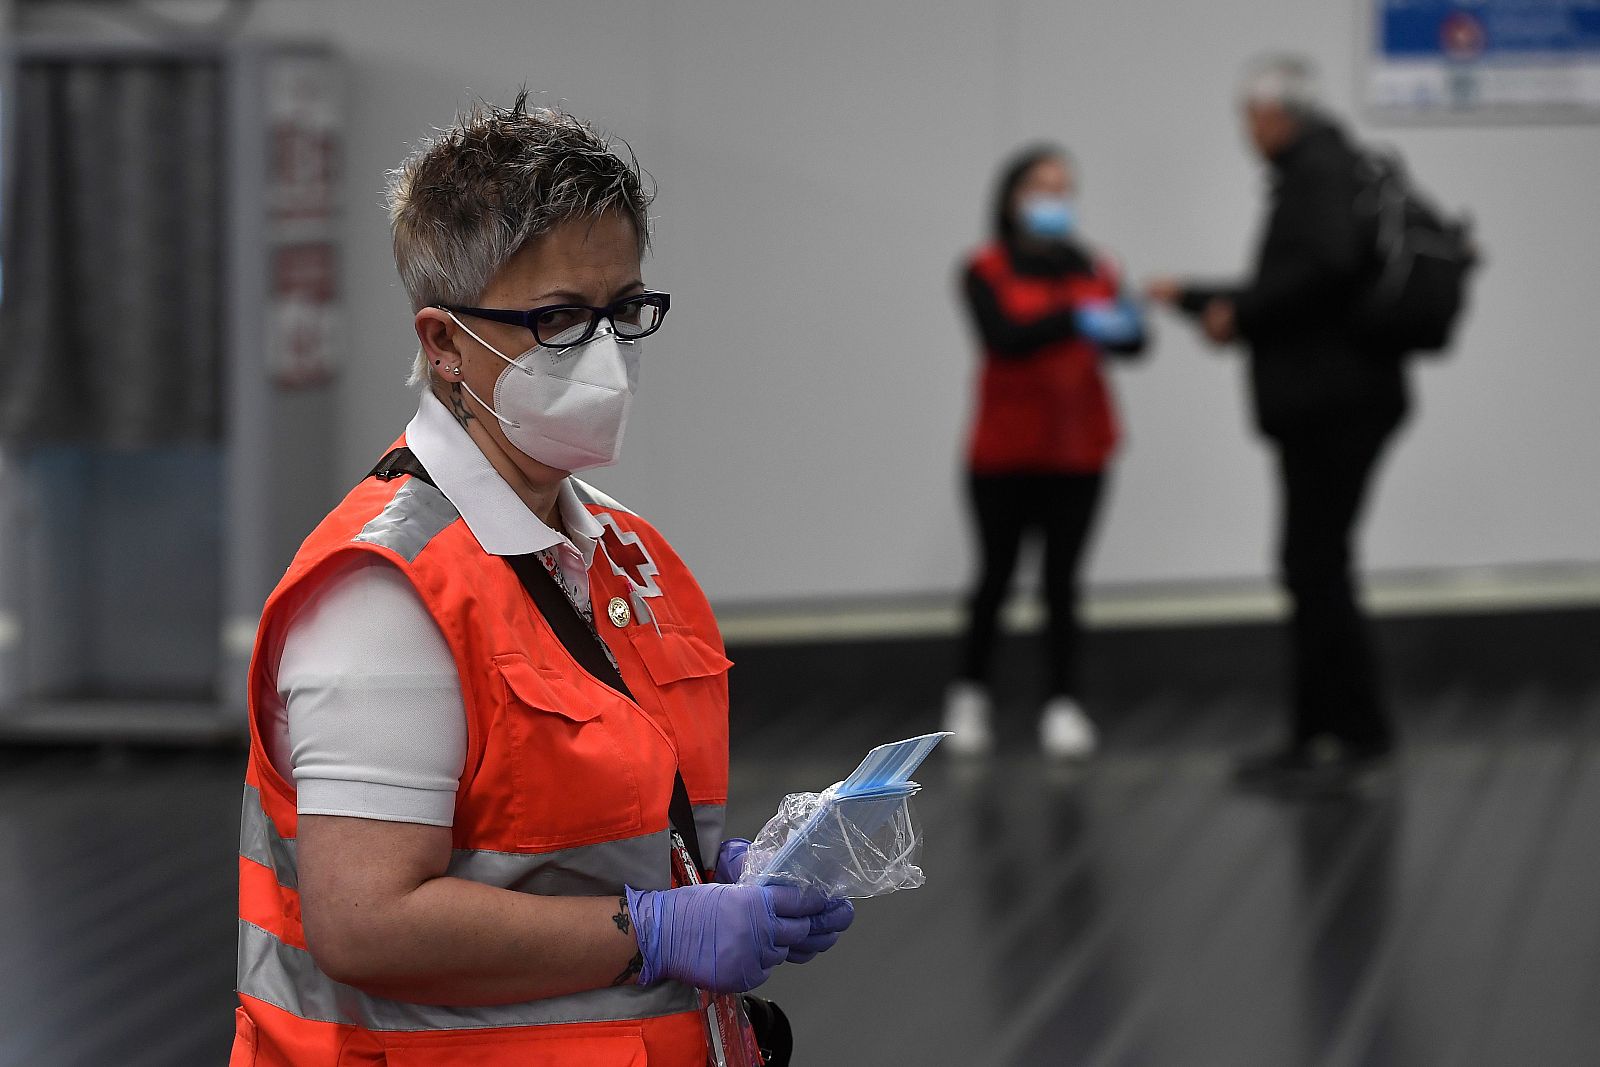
(1047, 310)
(488, 704)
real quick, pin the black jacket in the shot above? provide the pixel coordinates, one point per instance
(1307, 372)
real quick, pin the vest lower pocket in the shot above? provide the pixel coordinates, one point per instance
(582, 1045)
(244, 1040)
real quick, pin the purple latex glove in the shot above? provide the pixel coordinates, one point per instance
(730, 859)
(725, 938)
(826, 926)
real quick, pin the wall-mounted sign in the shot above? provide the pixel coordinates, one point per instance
(303, 320)
(1488, 59)
(303, 128)
(304, 311)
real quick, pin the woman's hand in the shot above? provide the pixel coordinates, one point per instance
(826, 927)
(729, 938)
(1110, 322)
(730, 859)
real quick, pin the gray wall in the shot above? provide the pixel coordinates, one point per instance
(822, 167)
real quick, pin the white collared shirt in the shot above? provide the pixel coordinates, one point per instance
(494, 513)
(369, 719)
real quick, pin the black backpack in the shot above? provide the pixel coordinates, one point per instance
(1415, 285)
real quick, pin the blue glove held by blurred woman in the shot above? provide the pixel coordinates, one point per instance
(1112, 322)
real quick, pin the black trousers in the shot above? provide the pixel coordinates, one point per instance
(1335, 678)
(1006, 508)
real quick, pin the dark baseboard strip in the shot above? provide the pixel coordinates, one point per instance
(1490, 652)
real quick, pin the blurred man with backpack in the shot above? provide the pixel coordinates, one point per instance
(1329, 390)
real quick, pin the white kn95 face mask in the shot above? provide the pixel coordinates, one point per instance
(566, 407)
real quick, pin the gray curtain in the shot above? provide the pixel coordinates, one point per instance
(111, 308)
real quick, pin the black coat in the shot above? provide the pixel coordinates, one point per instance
(1307, 372)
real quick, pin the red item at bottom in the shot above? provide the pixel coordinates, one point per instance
(729, 1035)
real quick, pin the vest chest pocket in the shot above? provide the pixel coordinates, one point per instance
(690, 679)
(573, 745)
(677, 654)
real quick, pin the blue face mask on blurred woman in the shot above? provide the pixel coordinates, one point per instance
(1049, 218)
(566, 407)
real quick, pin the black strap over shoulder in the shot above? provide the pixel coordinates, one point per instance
(400, 461)
(584, 644)
(564, 619)
(572, 631)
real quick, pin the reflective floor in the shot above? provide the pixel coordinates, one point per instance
(1142, 912)
(1138, 911)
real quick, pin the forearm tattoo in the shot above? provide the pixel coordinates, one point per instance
(631, 972)
(458, 407)
(624, 923)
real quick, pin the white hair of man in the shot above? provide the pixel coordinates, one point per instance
(1285, 80)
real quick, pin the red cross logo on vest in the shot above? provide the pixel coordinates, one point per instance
(628, 557)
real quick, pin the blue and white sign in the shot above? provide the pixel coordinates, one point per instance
(1443, 58)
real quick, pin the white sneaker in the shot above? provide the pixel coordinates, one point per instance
(1065, 732)
(966, 716)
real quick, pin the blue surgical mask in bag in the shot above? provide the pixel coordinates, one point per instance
(855, 839)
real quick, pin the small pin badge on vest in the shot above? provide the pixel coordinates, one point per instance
(619, 612)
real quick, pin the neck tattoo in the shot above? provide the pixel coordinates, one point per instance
(458, 407)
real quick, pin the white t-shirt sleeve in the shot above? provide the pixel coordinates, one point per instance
(372, 723)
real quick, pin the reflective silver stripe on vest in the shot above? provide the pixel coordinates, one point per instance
(410, 520)
(709, 821)
(643, 862)
(259, 841)
(289, 978)
(588, 494)
(586, 871)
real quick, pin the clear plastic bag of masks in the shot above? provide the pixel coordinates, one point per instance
(857, 838)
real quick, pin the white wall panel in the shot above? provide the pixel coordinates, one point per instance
(823, 165)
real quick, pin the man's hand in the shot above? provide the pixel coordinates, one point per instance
(1163, 290)
(1217, 321)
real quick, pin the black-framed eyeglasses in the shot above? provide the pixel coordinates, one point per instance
(565, 325)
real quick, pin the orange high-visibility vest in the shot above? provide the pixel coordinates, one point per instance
(1050, 413)
(565, 790)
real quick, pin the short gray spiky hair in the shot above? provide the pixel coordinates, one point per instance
(465, 201)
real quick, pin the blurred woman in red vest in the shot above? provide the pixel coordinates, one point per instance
(1047, 309)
